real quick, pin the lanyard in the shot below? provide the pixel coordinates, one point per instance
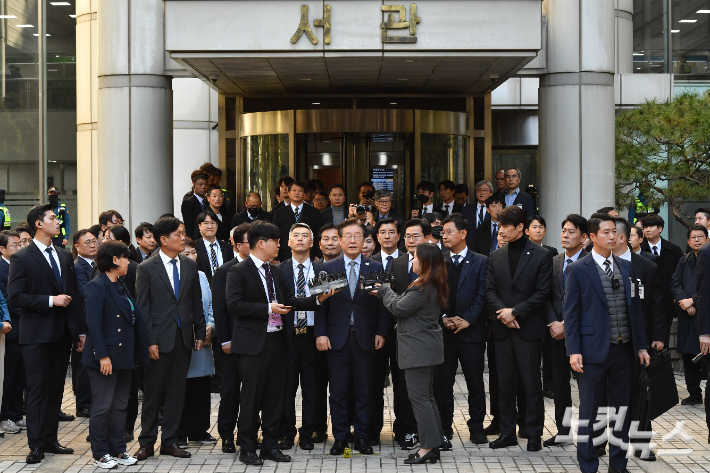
(263, 276)
(133, 315)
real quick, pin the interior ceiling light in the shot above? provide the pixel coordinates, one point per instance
(72, 16)
(60, 4)
(24, 26)
(7, 17)
(703, 11)
(315, 103)
(304, 79)
(688, 21)
(37, 34)
(675, 31)
(638, 54)
(393, 103)
(402, 79)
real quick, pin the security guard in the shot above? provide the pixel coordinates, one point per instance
(5, 223)
(62, 215)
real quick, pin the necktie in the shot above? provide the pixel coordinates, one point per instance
(494, 237)
(301, 292)
(204, 204)
(92, 264)
(446, 209)
(55, 268)
(480, 215)
(297, 214)
(607, 269)
(272, 297)
(456, 260)
(412, 275)
(389, 261)
(568, 261)
(176, 286)
(213, 256)
(352, 281)
(655, 250)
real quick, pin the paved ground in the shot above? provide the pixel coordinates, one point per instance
(387, 459)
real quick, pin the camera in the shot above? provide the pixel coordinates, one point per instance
(361, 209)
(213, 78)
(418, 201)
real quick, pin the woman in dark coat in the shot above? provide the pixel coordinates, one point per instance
(683, 286)
(116, 342)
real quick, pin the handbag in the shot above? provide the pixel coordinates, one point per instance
(663, 392)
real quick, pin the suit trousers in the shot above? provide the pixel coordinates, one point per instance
(229, 397)
(518, 360)
(195, 421)
(165, 380)
(108, 411)
(561, 372)
(379, 374)
(351, 358)
(14, 382)
(420, 386)
(301, 364)
(263, 379)
(692, 375)
(45, 367)
(606, 383)
(80, 380)
(404, 421)
(547, 364)
(471, 357)
(320, 420)
(493, 386)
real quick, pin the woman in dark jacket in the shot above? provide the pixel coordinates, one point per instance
(683, 286)
(116, 341)
(420, 344)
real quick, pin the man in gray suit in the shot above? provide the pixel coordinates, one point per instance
(168, 293)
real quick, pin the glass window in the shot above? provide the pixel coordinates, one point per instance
(650, 43)
(691, 38)
(265, 161)
(443, 157)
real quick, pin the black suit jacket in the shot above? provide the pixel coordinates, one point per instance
(284, 218)
(14, 311)
(458, 208)
(667, 263)
(526, 291)
(657, 324)
(31, 282)
(649, 256)
(326, 214)
(557, 290)
(470, 298)
(525, 202)
(247, 303)
(83, 272)
(702, 302)
(242, 217)
(190, 209)
(483, 238)
(204, 262)
(551, 249)
(287, 268)
(223, 322)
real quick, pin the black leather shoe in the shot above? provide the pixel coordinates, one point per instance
(228, 446)
(286, 443)
(553, 442)
(83, 413)
(548, 393)
(319, 437)
(363, 446)
(479, 437)
(691, 401)
(446, 446)
(618, 470)
(36, 455)
(249, 458)
(64, 417)
(650, 458)
(534, 444)
(58, 449)
(338, 447)
(274, 455)
(504, 441)
(128, 435)
(305, 444)
(493, 428)
(433, 456)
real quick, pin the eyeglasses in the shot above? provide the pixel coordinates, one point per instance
(384, 201)
(209, 224)
(449, 232)
(352, 237)
(416, 236)
(320, 199)
(697, 237)
(14, 245)
(495, 206)
(93, 242)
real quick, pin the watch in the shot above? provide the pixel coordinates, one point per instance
(514, 312)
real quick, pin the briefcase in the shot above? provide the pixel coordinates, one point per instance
(641, 403)
(662, 388)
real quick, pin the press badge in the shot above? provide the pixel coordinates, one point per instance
(641, 289)
(633, 287)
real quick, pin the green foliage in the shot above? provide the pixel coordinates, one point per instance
(663, 153)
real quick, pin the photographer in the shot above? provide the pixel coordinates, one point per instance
(422, 199)
(366, 192)
(362, 213)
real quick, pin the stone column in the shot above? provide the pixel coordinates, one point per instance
(135, 165)
(576, 107)
(623, 13)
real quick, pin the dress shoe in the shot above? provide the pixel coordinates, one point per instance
(553, 442)
(446, 446)
(83, 413)
(410, 441)
(618, 470)
(363, 446)
(523, 433)
(504, 441)
(319, 437)
(305, 443)
(493, 428)
(534, 444)
(274, 454)
(228, 446)
(691, 401)
(88, 438)
(338, 447)
(479, 437)
(600, 450)
(36, 455)
(249, 458)
(58, 449)
(207, 439)
(651, 457)
(433, 456)
(286, 443)
(64, 417)
(174, 451)
(144, 452)
(182, 442)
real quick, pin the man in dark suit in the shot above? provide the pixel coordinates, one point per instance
(145, 241)
(514, 195)
(169, 295)
(635, 241)
(14, 379)
(446, 192)
(224, 329)
(301, 357)
(42, 283)
(351, 325)
(702, 304)
(284, 200)
(574, 232)
(518, 288)
(465, 330)
(252, 211)
(338, 211)
(605, 337)
(485, 240)
(211, 253)
(196, 203)
(260, 301)
(296, 212)
(477, 214)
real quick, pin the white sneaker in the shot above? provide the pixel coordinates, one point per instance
(125, 459)
(22, 423)
(10, 427)
(106, 462)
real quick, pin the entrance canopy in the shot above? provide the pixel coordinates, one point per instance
(353, 46)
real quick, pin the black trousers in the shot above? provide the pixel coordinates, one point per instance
(195, 420)
(229, 397)
(14, 382)
(45, 367)
(165, 380)
(132, 409)
(471, 357)
(692, 375)
(561, 371)
(301, 365)
(320, 418)
(263, 379)
(519, 359)
(217, 356)
(493, 386)
(547, 364)
(80, 380)
(108, 411)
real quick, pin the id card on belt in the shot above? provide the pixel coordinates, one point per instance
(275, 320)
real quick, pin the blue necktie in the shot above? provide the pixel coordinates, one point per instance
(176, 286)
(412, 275)
(456, 260)
(389, 261)
(55, 268)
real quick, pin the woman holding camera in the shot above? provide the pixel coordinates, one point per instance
(420, 344)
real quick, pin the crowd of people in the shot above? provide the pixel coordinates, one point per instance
(220, 300)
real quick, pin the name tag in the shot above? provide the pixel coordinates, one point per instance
(633, 288)
(641, 289)
(301, 315)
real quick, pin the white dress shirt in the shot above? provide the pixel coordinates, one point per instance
(462, 255)
(169, 267)
(90, 261)
(599, 259)
(451, 208)
(42, 247)
(427, 209)
(262, 272)
(308, 273)
(299, 208)
(384, 256)
(657, 245)
(201, 200)
(6, 260)
(627, 255)
(218, 252)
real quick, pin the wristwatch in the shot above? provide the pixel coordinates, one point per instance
(514, 312)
